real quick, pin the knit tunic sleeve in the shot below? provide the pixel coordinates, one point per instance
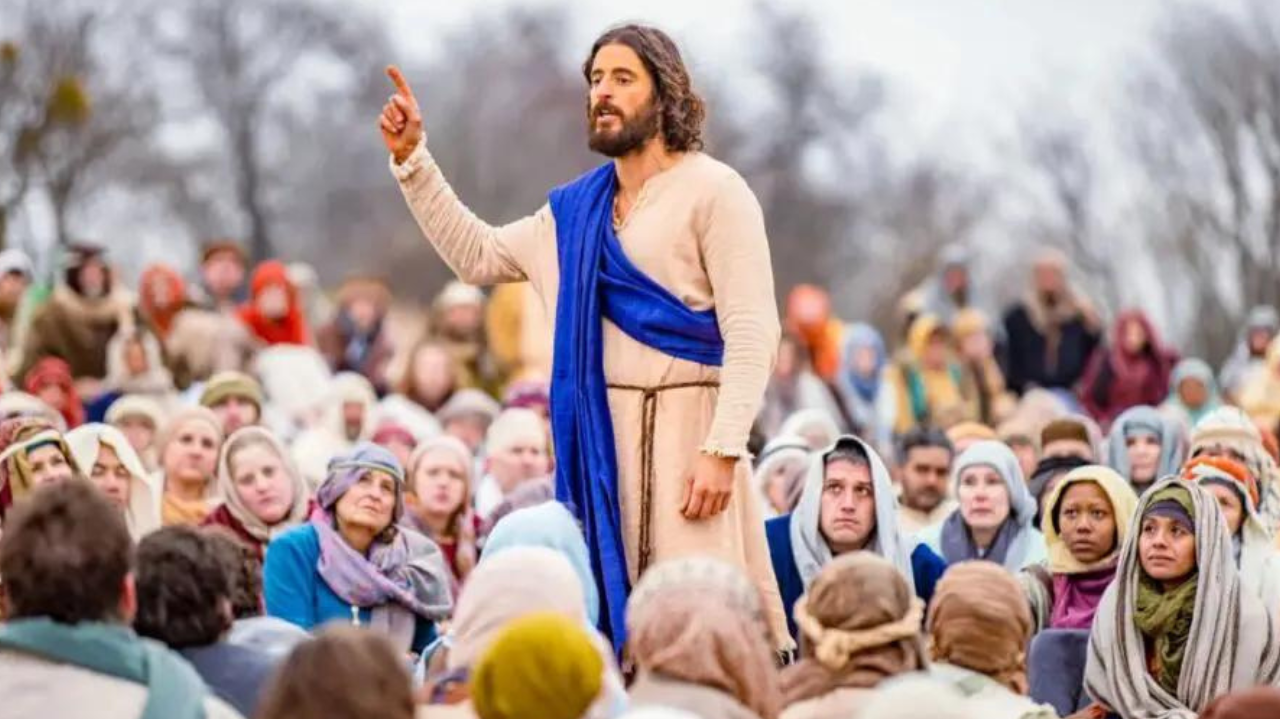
(479, 253)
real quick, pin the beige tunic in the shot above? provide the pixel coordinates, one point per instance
(697, 230)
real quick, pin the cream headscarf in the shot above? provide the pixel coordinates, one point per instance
(1123, 503)
(85, 442)
(1233, 642)
(252, 524)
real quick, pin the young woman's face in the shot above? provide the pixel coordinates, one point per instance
(48, 465)
(1229, 502)
(139, 431)
(1193, 393)
(1144, 457)
(1087, 522)
(984, 497)
(262, 482)
(1166, 550)
(440, 481)
(110, 476)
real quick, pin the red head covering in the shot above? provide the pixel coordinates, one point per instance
(288, 330)
(161, 314)
(54, 371)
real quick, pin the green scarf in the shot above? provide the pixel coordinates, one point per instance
(1164, 617)
(174, 690)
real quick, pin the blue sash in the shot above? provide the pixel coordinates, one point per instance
(597, 280)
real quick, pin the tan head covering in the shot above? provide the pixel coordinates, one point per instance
(519, 581)
(86, 442)
(980, 621)
(179, 420)
(701, 621)
(231, 498)
(860, 625)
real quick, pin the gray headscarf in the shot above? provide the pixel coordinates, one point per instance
(1013, 543)
(1148, 420)
(1233, 642)
(808, 546)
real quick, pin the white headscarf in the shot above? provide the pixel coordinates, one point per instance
(808, 546)
(85, 442)
(1233, 643)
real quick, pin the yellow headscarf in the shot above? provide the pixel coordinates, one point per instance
(1123, 504)
(543, 665)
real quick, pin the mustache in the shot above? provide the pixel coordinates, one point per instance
(603, 107)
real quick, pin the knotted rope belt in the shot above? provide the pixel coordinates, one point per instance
(648, 424)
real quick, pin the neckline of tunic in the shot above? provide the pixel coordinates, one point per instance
(645, 190)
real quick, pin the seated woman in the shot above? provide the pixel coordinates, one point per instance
(1252, 546)
(861, 626)
(994, 520)
(114, 467)
(188, 463)
(700, 642)
(263, 494)
(352, 562)
(1144, 446)
(779, 474)
(1086, 524)
(438, 500)
(1176, 631)
(978, 628)
(32, 453)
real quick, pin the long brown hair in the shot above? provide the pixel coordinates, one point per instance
(682, 110)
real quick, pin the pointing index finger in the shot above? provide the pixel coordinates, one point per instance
(402, 85)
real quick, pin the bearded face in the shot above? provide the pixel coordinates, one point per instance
(622, 106)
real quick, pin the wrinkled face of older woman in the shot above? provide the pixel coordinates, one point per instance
(370, 503)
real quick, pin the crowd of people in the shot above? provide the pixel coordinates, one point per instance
(238, 495)
(205, 487)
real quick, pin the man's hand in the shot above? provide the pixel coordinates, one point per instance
(401, 122)
(708, 490)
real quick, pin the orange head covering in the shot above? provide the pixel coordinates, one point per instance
(809, 318)
(160, 310)
(51, 372)
(1231, 468)
(289, 329)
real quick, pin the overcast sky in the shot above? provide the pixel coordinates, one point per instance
(967, 65)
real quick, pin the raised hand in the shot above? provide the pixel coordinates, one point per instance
(401, 121)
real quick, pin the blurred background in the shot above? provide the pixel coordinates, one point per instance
(1142, 137)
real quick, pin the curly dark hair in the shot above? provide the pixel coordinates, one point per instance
(682, 110)
(246, 574)
(184, 588)
(65, 554)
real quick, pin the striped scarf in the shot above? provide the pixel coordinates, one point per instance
(1232, 642)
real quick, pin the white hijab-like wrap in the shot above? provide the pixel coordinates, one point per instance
(85, 442)
(808, 546)
(1233, 643)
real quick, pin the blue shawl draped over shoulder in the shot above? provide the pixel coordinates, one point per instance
(597, 280)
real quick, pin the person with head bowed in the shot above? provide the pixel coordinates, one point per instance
(438, 500)
(847, 506)
(1144, 446)
(262, 493)
(343, 673)
(860, 626)
(505, 587)
(352, 562)
(996, 514)
(1086, 522)
(544, 665)
(700, 641)
(1252, 546)
(1176, 630)
(112, 465)
(979, 626)
(188, 465)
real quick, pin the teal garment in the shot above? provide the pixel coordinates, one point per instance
(174, 689)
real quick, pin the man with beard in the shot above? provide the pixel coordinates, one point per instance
(656, 269)
(1052, 333)
(926, 456)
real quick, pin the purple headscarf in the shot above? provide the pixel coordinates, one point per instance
(404, 575)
